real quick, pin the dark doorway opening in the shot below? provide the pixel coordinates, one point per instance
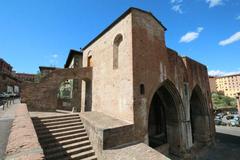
(163, 122)
(198, 116)
(157, 123)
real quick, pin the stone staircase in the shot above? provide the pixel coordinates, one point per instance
(63, 138)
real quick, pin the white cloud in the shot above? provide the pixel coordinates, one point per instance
(190, 36)
(234, 38)
(213, 3)
(176, 1)
(222, 73)
(177, 6)
(54, 59)
(238, 18)
(199, 29)
(54, 56)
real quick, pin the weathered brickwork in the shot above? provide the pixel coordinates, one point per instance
(144, 60)
(43, 96)
(163, 98)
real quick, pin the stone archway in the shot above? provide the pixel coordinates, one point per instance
(199, 117)
(42, 96)
(164, 120)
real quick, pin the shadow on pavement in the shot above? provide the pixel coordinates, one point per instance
(226, 138)
(227, 148)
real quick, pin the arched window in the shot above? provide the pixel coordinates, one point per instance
(118, 39)
(89, 59)
(89, 62)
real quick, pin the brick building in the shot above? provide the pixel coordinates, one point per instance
(212, 82)
(8, 83)
(135, 90)
(25, 77)
(44, 70)
(5, 67)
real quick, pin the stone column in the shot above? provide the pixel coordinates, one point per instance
(186, 121)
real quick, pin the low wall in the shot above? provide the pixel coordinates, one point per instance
(106, 132)
(23, 141)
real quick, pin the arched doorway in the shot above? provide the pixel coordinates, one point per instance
(65, 95)
(199, 116)
(164, 121)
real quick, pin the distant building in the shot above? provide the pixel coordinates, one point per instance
(229, 85)
(25, 77)
(212, 82)
(8, 83)
(46, 70)
(5, 67)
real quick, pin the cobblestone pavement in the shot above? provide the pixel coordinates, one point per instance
(227, 145)
(6, 118)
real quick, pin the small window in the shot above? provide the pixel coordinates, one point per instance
(142, 89)
(89, 62)
(116, 43)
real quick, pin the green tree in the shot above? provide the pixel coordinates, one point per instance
(221, 101)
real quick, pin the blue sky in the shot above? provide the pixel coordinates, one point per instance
(34, 33)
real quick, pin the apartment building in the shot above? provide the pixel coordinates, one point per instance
(230, 84)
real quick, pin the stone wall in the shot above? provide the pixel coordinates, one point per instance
(112, 91)
(43, 96)
(155, 65)
(23, 141)
(106, 132)
(145, 65)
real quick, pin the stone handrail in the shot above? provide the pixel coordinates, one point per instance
(23, 141)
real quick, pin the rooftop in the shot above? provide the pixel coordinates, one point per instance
(118, 20)
(71, 54)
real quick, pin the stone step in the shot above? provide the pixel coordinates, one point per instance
(63, 137)
(60, 138)
(55, 119)
(56, 122)
(48, 135)
(57, 116)
(69, 147)
(38, 128)
(51, 131)
(83, 140)
(83, 155)
(90, 158)
(73, 153)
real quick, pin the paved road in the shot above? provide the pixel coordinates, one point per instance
(227, 144)
(6, 118)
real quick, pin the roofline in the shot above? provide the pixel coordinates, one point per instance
(228, 75)
(47, 67)
(186, 57)
(212, 76)
(28, 74)
(170, 49)
(118, 20)
(71, 54)
(1, 59)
